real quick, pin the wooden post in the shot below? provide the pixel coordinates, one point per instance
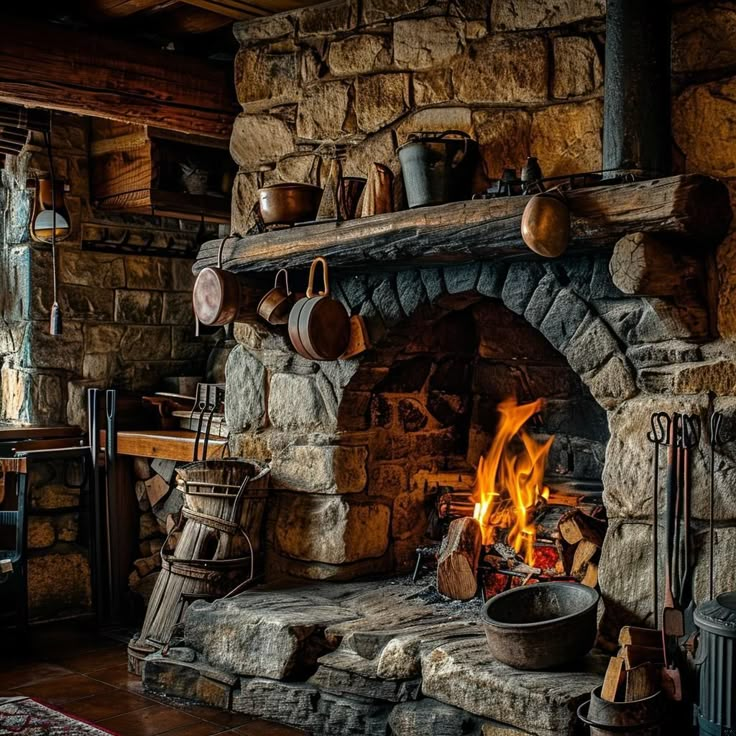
(636, 109)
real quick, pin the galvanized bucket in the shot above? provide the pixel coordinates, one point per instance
(437, 167)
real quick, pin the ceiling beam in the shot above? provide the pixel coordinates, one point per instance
(55, 68)
(236, 9)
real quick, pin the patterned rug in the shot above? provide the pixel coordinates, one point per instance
(28, 717)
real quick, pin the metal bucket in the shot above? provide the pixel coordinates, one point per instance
(637, 717)
(437, 167)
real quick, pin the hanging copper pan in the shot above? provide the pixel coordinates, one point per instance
(319, 326)
(276, 303)
(216, 296)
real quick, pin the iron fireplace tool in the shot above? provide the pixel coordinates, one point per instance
(111, 397)
(715, 439)
(659, 435)
(672, 619)
(690, 440)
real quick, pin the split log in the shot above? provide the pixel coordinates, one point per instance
(591, 575)
(614, 680)
(585, 552)
(457, 566)
(693, 208)
(639, 637)
(641, 682)
(633, 655)
(643, 265)
(575, 526)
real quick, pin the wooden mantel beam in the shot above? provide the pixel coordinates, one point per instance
(42, 65)
(692, 209)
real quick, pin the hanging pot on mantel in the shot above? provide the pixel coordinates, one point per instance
(217, 297)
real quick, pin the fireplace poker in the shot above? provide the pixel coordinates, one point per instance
(715, 440)
(689, 440)
(672, 620)
(659, 436)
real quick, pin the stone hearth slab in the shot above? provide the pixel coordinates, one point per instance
(264, 634)
(462, 673)
(309, 708)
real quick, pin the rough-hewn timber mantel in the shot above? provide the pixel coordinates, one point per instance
(60, 69)
(693, 209)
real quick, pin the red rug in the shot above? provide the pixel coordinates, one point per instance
(29, 717)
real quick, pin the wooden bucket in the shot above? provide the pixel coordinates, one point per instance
(221, 530)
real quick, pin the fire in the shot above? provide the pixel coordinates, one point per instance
(510, 479)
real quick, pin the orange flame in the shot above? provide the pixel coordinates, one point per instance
(510, 479)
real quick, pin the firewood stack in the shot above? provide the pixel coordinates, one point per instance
(634, 673)
(581, 538)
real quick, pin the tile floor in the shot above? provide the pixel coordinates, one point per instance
(85, 674)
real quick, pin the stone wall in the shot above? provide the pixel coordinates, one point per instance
(523, 78)
(127, 320)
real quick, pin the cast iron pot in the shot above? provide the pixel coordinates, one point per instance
(541, 626)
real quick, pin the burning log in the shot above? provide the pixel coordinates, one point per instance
(579, 545)
(457, 565)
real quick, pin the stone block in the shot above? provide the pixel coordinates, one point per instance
(380, 147)
(502, 68)
(43, 350)
(258, 140)
(58, 582)
(85, 268)
(432, 119)
(194, 680)
(521, 282)
(274, 634)
(410, 290)
(360, 54)
(300, 167)
(244, 196)
(424, 43)
(461, 673)
(177, 309)
(664, 353)
(563, 318)
(432, 87)
(375, 11)
(459, 279)
(327, 18)
(704, 127)
(491, 280)
(32, 397)
(41, 532)
(138, 307)
(703, 37)
(504, 139)
(103, 338)
(517, 15)
(320, 469)
(296, 403)
(86, 303)
(256, 71)
(245, 400)
(331, 529)
(185, 346)
(542, 299)
(433, 284)
(386, 300)
(386, 479)
(613, 383)
(577, 67)
(591, 346)
(410, 516)
(146, 343)
(323, 112)
(267, 28)
(567, 139)
(343, 673)
(380, 99)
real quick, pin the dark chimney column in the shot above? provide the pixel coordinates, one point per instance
(636, 111)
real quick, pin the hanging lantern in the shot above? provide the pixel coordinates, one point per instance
(50, 220)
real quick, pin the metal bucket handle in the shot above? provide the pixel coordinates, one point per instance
(232, 236)
(582, 713)
(430, 137)
(325, 278)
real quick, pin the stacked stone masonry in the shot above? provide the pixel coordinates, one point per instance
(523, 78)
(360, 659)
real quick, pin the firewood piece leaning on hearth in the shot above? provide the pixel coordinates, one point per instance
(635, 672)
(457, 565)
(580, 540)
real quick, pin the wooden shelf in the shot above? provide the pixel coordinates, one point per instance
(170, 204)
(692, 209)
(168, 444)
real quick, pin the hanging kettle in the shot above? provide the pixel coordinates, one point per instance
(545, 224)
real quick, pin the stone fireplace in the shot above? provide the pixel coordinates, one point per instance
(355, 446)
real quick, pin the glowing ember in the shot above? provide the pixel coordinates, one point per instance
(510, 479)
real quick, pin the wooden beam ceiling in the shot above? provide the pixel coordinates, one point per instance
(47, 66)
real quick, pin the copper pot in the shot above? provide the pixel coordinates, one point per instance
(216, 297)
(276, 303)
(287, 204)
(319, 326)
(545, 224)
